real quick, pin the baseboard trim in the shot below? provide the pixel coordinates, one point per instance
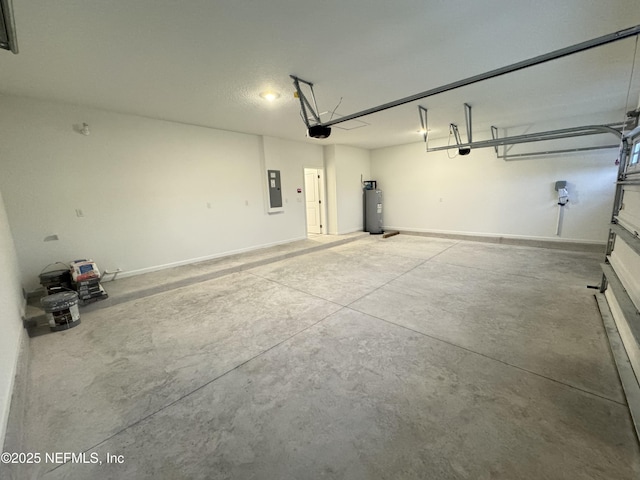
(12, 436)
(572, 245)
(155, 268)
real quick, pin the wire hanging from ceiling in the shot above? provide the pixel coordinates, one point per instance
(449, 144)
(334, 110)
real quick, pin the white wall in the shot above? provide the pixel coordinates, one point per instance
(331, 188)
(480, 194)
(291, 158)
(11, 310)
(346, 168)
(153, 193)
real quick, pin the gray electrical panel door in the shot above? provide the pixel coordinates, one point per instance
(373, 211)
(275, 193)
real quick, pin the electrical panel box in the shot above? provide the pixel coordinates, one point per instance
(275, 191)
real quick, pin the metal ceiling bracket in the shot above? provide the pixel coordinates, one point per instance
(494, 135)
(456, 133)
(555, 152)
(461, 150)
(496, 141)
(306, 109)
(422, 112)
(535, 137)
(467, 119)
(8, 38)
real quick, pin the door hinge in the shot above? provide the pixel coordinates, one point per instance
(319, 201)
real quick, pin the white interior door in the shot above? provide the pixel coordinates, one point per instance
(312, 197)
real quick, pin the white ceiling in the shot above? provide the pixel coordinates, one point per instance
(204, 62)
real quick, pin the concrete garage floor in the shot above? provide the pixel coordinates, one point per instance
(399, 358)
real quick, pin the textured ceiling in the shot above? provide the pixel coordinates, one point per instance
(205, 62)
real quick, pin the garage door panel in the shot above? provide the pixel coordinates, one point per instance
(628, 340)
(626, 263)
(629, 215)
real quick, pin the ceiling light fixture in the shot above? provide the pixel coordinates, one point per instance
(270, 95)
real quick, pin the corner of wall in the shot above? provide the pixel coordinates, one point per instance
(12, 308)
(329, 153)
(11, 433)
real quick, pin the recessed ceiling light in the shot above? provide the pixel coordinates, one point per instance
(270, 95)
